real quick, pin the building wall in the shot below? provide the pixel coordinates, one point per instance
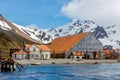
(88, 45)
(34, 52)
(45, 54)
(19, 56)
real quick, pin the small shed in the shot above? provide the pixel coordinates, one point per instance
(20, 55)
(78, 55)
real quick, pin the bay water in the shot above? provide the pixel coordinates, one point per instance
(66, 72)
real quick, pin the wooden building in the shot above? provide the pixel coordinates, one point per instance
(20, 55)
(111, 54)
(64, 47)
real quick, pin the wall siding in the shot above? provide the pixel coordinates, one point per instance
(46, 54)
(88, 44)
(34, 52)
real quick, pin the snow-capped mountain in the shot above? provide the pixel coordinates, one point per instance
(34, 35)
(108, 35)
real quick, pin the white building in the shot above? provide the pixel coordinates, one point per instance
(20, 55)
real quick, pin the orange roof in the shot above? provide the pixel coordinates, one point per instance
(27, 45)
(77, 53)
(63, 44)
(20, 52)
(41, 47)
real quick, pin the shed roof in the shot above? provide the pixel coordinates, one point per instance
(41, 47)
(27, 45)
(20, 52)
(63, 44)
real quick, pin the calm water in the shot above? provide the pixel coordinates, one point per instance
(66, 72)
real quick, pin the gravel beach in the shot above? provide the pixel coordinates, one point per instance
(64, 61)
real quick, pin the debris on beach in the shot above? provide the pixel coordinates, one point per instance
(7, 64)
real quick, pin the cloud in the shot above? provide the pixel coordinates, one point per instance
(105, 12)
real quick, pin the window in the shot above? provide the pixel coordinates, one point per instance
(46, 55)
(34, 49)
(36, 56)
(15, 56)
(32, 55)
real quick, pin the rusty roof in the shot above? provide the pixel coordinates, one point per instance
(20, 52)
(41, 47)
(27, 45)
(63, 44)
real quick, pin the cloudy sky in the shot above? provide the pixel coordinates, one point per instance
(54, 13)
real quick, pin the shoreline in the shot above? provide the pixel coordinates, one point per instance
(65, 61)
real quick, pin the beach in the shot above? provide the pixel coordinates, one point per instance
(64, 61)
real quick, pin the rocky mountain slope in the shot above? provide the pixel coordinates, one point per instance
(108, 35)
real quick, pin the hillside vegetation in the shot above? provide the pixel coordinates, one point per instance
(10, 40)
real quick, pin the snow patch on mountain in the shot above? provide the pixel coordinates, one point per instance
(4, 26)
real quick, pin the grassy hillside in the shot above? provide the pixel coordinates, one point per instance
(10, 40)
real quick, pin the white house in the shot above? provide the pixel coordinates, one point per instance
(37, 51)
(34, 51)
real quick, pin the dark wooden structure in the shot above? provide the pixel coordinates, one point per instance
(9, 65)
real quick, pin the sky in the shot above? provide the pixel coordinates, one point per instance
(42, 13)
(46, 14)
